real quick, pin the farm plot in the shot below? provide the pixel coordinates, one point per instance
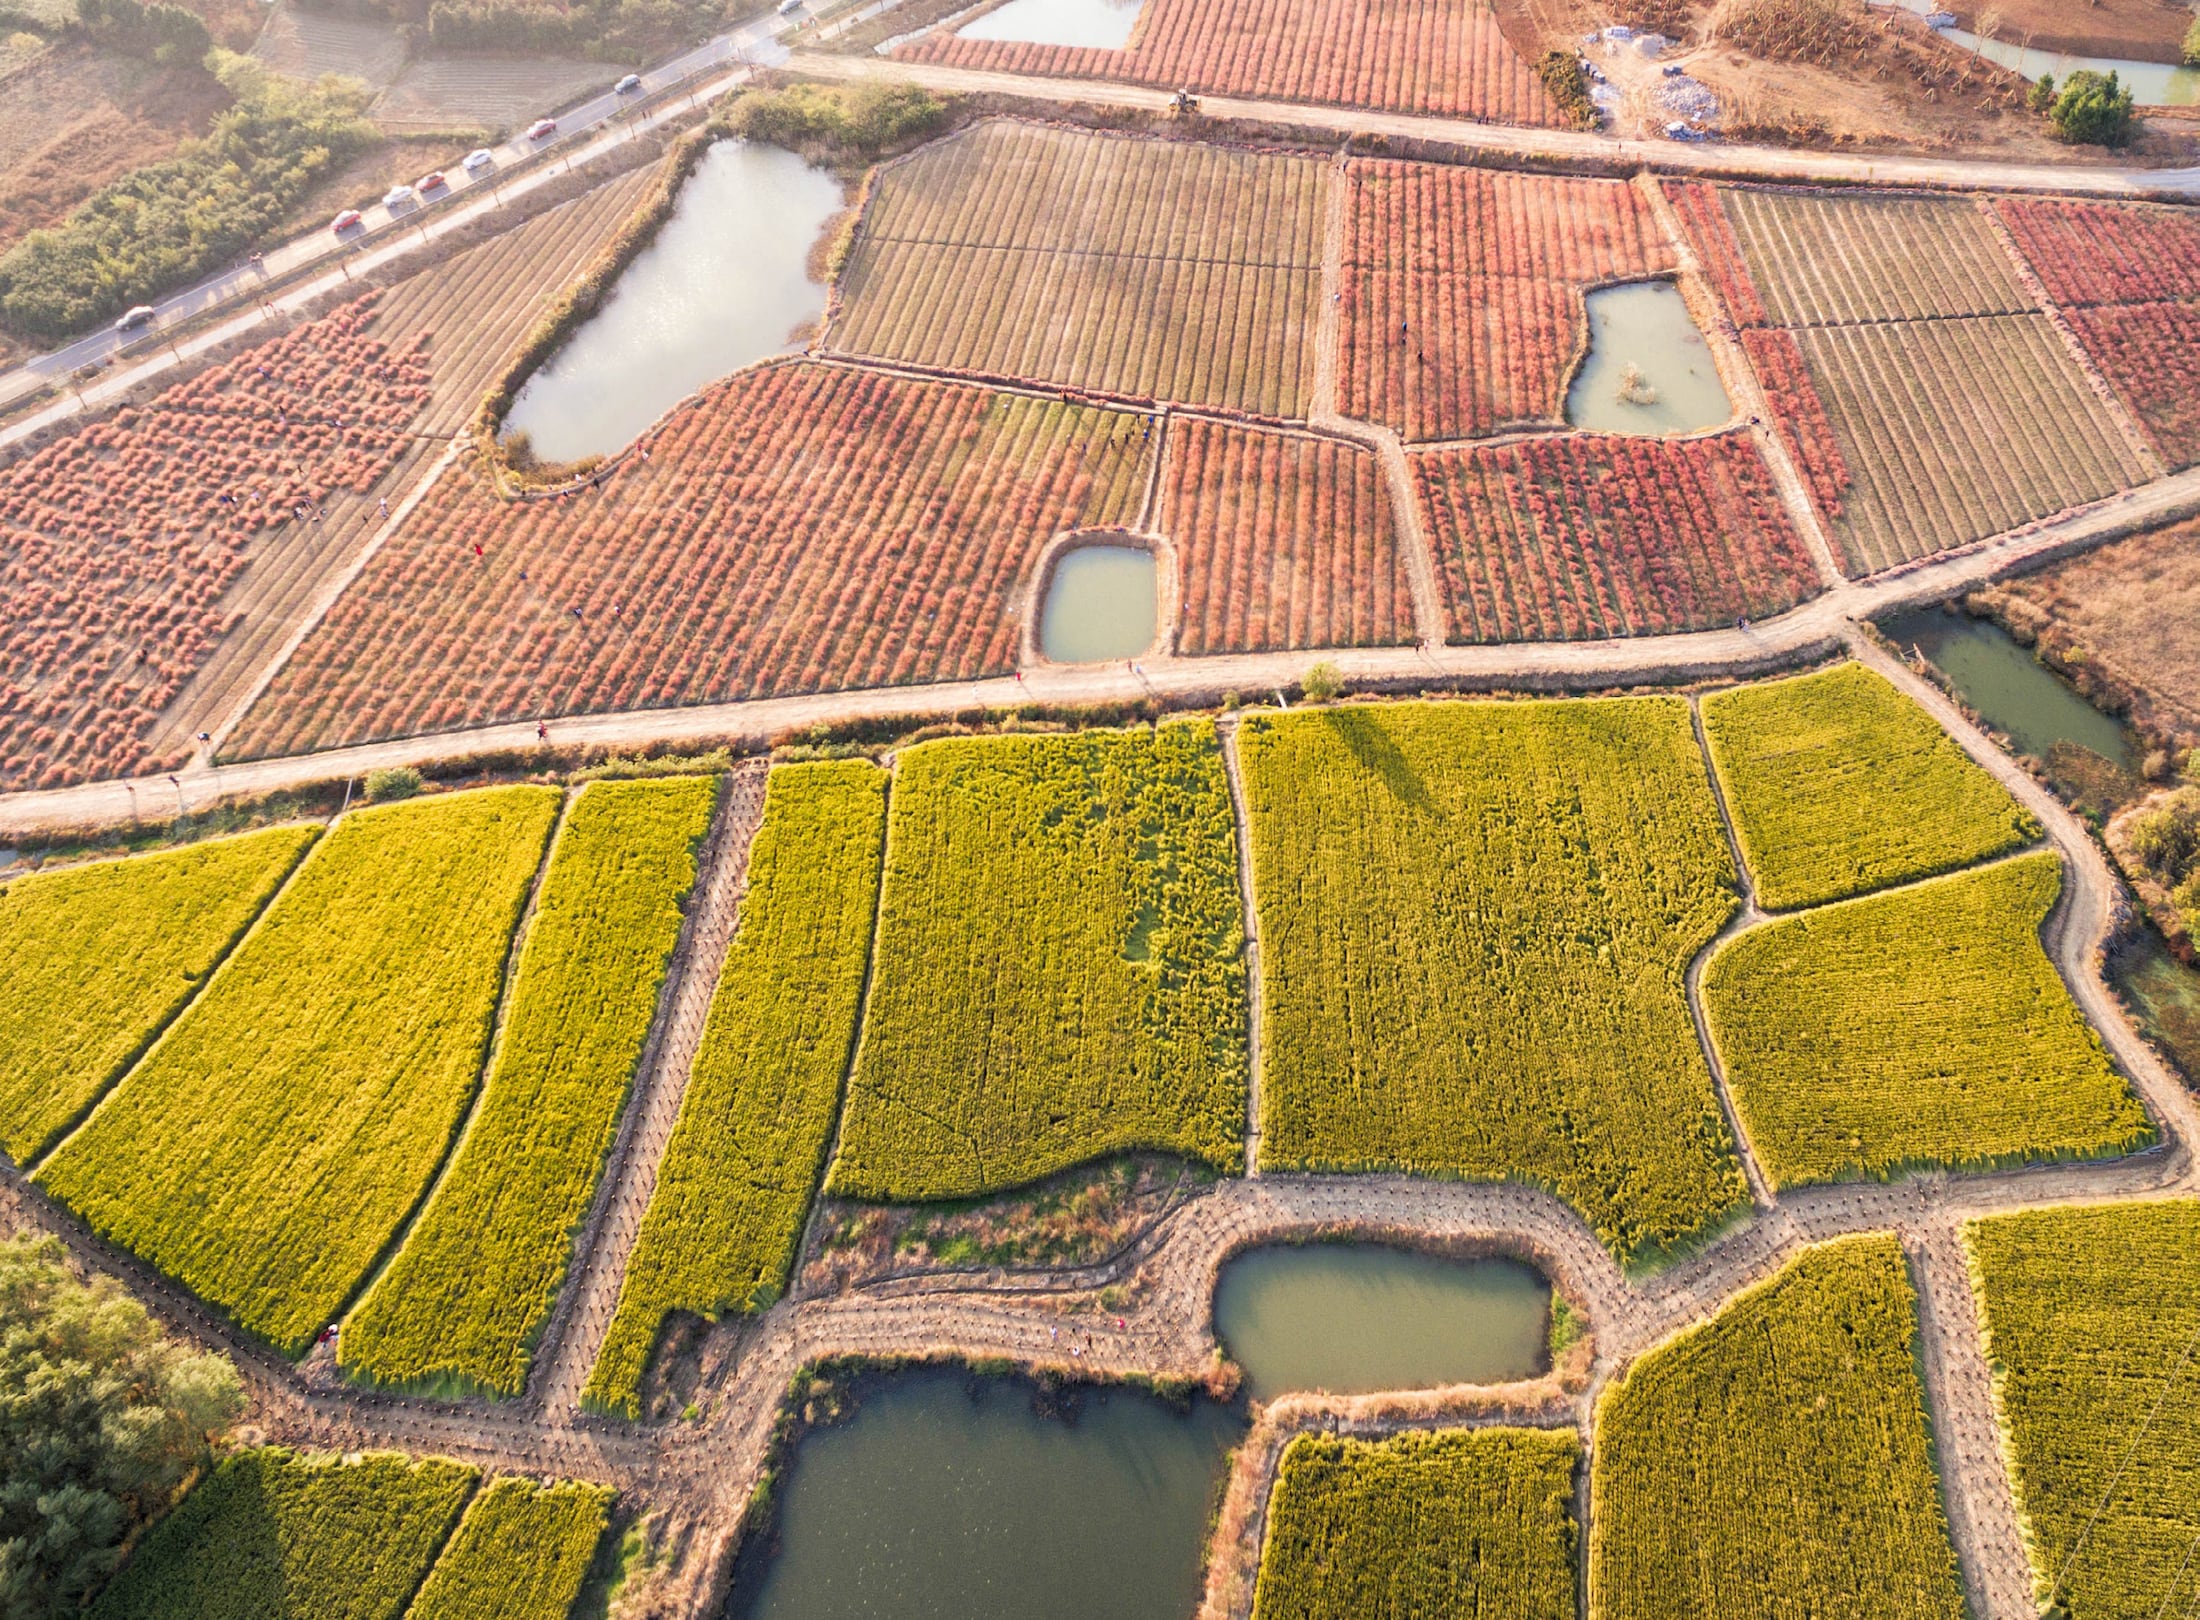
(1580, 536)
(1923, 1027)
(1461, 1521)
(1447, 58)
(99, 957)
(1153, 269)
(520, 1553)
(1837, 259)
(1060, 969)
(2150, 354)
(2090, 1316)
(800, 528)
(472, 1286)
(1282, 541)
(119, 540)
(1838, 784)
(745, 1154)
(1776, 1459)
(1463, 291)
(1474, 916)
(273, 1142)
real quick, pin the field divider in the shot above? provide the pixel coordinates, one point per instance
(1227, 730)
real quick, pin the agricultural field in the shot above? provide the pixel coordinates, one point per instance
(1777, 1459)
(1463, 291)
(1143, 268)
(1838, 785)
(743, 1161)
(520, 1553)
(1924, 1027)
(1410, 56)
(1455, 1522)
(1472, 916)
(1281, 541)
(274, 1141)
(1822, 258)
(100, 958)
(1581, 536)
(1060, 972)
(2089, 1317)
(1800, 416)
(800, 527)
(464, 1300)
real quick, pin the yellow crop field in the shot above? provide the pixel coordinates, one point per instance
(1455, 1522)
(2092, 1322)
(1838, 785)
(1476, 921)
(745, 1154)
(274, 1140)
(473, 1285)
(1777, 1459)
(1060, 968)
(1922, 1027)
(520, 1553)
(99, 957)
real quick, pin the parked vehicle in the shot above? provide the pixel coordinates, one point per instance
(345, 221)
(397, 196)
(478, 159)
(430, 182)
(542, 129)
(628, 85)
(136, 316)
(787, 8)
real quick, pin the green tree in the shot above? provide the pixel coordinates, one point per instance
(2093, 109)
(2192, 44)
(2041, 97)
(101, 1419)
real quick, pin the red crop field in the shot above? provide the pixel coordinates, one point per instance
(1447, 58)
(1463, 291)
(1703, 220)
(2106, 253)
(1282, 541)
(2150, 353)
(1579, 536)
(118, 541)
(800, 527)
(1799, 413)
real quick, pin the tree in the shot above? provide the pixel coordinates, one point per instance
(2191, 49)
(101, 1419)
(2041, 97)
(2093, 109)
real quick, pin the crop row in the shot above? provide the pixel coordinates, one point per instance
(1462, 292)
(800, 527)
(467, 1294)
(1822, 258)
(2150, 354)
(1282, 541)
(1579, 536)
(1702, 214)
(2105, 253)
(1416, 56)
(1800, 414)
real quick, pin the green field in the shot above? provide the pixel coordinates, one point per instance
(1925, 1027)
(743, 1161)
(1455, 1522)
(100, 956)
(2092, 1322)
(274, 1141)
(1838, 785)
(1476, 921)
(520, 1553)
(275, 1535)
(474, 1283)
(1060, 966)
(1776, 1461)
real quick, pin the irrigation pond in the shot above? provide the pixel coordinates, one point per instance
(1102, 603)
(1673, 386)
(2013, 691)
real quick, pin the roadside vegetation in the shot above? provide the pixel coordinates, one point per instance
(521, 1552)
(847, 127)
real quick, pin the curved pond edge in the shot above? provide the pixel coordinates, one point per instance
(1168, 590)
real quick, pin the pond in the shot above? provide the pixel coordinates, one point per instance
(1101, 25)
(725, 283)
(2166, 995)
(2152, 84)
(1102, 603)
(1648, 369)
(1354, 1317)
(948, 1497)
(2011, 689)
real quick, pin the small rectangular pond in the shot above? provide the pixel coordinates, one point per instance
(1101, 604)
(1648, 369)
(1100, 25)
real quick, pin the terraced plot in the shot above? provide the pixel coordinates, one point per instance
(1154, 269)
(1473, 915)
(1920, 1028)
(1060, 973)
(273, 1142)
(1776, 1460)
(2090, 1316)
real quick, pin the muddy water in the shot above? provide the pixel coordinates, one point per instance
(1645, 324)
(1350, 1318)
(1103, 25)
(951, 1498)
(1101, 604)
(2166, 995)
(2014, 691)
(725, 283)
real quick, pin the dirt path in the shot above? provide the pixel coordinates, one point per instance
(1235, 774)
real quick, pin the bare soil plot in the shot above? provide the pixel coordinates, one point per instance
(307, 44)
(1153, 269)
(489, 92)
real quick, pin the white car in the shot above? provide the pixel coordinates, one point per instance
(478, 159)
(398, 195)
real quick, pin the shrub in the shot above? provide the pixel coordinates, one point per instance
(851, 123)
(2190, 49)
(2092, 109)
(2040, 98)
(2167, 838)
(395, 782)
(1561, 74)
(520, 1553)
(1321, 683)
(168, 34)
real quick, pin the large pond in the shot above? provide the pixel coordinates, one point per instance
(725, 283)
(952, 1498)
(1101, 25)
(2014, 691)
(1648, 369)
(1353, 1317)
(1101, 604)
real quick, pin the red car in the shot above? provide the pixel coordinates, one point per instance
(542, 127)
(430, 182)
(345, 221)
